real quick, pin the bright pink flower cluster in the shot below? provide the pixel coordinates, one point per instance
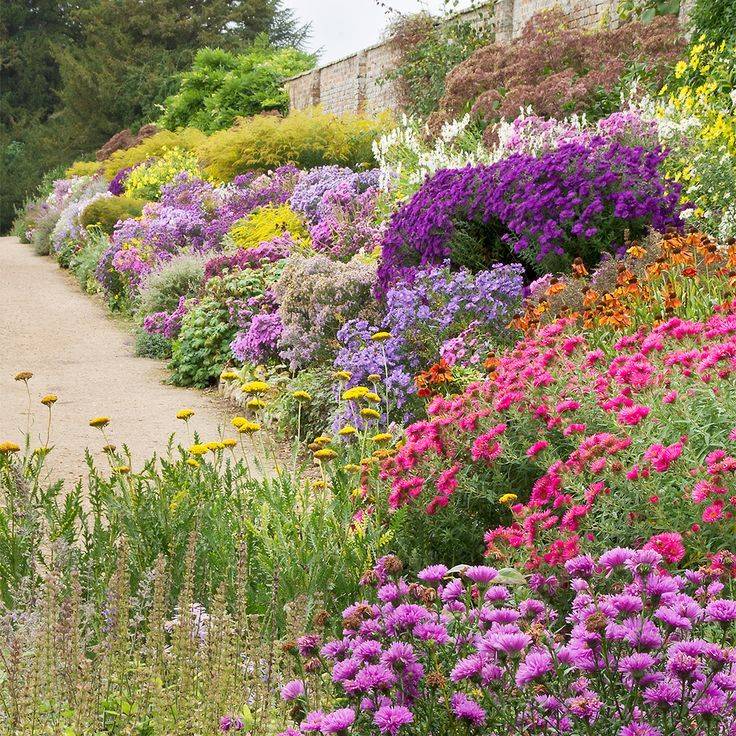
(598, 449)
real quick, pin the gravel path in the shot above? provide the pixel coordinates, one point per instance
(77, 351)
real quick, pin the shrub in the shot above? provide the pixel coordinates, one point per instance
(147, 180)
(599, 449)
(267, 223)
(152, 345)
(576, 201)
(160, 290)
(84, 262)
(83, 168)
(557, 71)
(316, 296)
(106, 212)
(306, 138)
(640, 651)
(188, 139)
(716, 19)
(221, 86)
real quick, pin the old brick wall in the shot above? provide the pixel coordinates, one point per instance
(354, 84)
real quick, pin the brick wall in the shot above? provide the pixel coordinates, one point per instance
(354, 84)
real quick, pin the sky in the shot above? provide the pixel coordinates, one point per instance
(342, 27)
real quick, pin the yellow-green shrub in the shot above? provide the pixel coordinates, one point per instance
(188, 139)
(146, 181)
(84, 168)
(267, 223)
(107, 211)
(307, 138)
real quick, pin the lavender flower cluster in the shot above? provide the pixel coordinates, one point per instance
(639, 651)
(576, 200)
(314, 184)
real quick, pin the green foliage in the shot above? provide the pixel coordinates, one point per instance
(84, 262)
(107, 211)
(307, 138)
(161, 289)
(311, 418)
(429, 48)
(716, 19)
(152, 345)
(646, 10)
(83, 168)
(267, 223)
(222, 85)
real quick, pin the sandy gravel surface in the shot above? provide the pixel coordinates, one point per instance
(77, 351)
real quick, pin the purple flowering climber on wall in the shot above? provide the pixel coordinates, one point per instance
(576, 200)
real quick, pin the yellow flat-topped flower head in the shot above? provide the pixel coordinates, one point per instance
(122, 469)
(302, 396)
(229, 442)
(381, 336)
(322, 440)
(369, 413)
(319, 485)
(508, 498)
(342, 375)
(255, 387)
(255, 404)
(185, 414)
(356, 393)
(198, 450)
(374, 378)
(49, 399)
(229, 376)
(381, 438)
(237, 422)
(351, 468)
(23, 376)
(109, 448)
(99, 422)
(192, 463)
(325, 454)
(373, 398)
(248, 427)
(347, 431)
(7, 447)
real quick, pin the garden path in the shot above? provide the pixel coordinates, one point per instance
(75, 350)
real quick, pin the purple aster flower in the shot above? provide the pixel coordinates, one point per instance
(664, 694)
(723, 611)
(371, 678)
(390, 718)
(536, 664)
(308, 645)
(467, 710)
(433, 574)
(636, 664)
(338, 722)
(615, 558)
(231, 723)
(452, 591)
(292, 690)
(431, 631)
(639, 729)
(481, 574)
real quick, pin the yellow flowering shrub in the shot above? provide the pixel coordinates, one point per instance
(307, 138)
(696, 113)
(267, 223)
(83, 168)
(188, 139)
(145, 182)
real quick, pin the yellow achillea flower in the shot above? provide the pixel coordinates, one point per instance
(229, 442)
(198, 450)
(255, 387)
(356, 393)
(367, 461)
(42, 451)
(229, 376)
(325, 454)
(343, 375)
(383, 453)
(49, 399)
(238, 421)
(319, 485)
(374, 398)
(322, 440)
(122, 469)
(374, 378)
(184, 414)
(109, 448)
(381, 336)
(99, 422)
(248, 427)
(381, 438)
(255, 404)
(23, 376)
(302, 396)
(508, 498)
(7, 447)
(351, 468)
(192, 463)
(369, 413)
(214, 446)
(348, 430)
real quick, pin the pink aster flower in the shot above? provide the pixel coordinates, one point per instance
(669, 545)
(390, 718)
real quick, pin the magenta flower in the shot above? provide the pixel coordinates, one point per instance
(390, 718)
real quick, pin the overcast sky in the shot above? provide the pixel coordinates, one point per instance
(342, 27)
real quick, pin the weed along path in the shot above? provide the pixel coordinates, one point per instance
(76, 351)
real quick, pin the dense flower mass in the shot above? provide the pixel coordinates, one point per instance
(638, 650)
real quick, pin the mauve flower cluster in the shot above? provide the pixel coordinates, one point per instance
(639, 651)
(168, 324)
(314, 184)
(260, 341)
(268, 252)
(602, 449)
(422, 317)
(116, 186)
(576, 200)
